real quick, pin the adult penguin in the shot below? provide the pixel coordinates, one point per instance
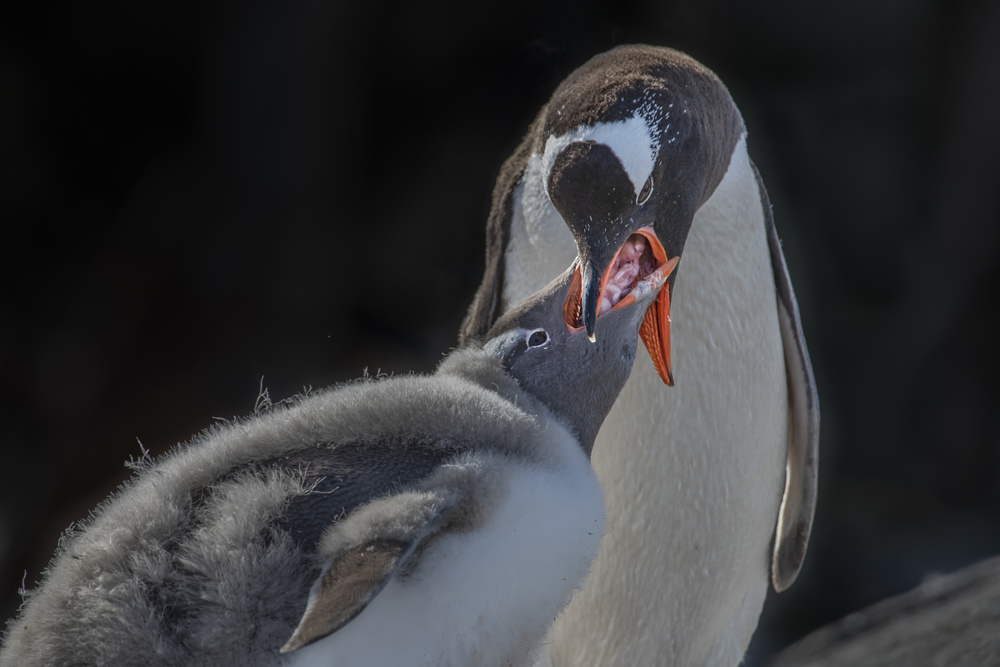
(415, 520)
(710, 485)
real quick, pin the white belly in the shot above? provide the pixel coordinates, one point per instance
(484, 597)
(692, 474)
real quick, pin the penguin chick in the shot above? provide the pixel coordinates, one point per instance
(417, 520)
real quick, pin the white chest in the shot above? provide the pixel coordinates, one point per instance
(484, 597)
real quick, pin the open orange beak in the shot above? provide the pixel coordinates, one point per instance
(655, 328)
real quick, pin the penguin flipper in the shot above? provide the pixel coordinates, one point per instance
(367, 548)
(798, 503)
(347, 585)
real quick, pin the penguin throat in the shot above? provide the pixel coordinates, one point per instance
(638, 258)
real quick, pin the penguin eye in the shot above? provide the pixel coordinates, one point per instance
(538, 338)
(647, 189)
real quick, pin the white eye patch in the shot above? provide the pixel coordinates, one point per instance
(630, 140)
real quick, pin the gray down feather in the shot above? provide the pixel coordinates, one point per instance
(206, 556)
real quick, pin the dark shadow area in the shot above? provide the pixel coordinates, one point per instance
(196, 196)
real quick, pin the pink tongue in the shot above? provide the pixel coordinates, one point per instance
(623, 273)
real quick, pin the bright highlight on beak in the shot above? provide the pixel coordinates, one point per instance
(641, 261)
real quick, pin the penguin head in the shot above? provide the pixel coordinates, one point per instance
(632, 144)
(576, 378)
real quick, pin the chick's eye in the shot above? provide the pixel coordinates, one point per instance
(538, 338)
(647, 189)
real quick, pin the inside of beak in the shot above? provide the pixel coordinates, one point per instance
(640, 255)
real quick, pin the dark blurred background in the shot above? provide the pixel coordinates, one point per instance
(198, 195)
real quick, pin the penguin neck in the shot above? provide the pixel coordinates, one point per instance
(477, 366)
(582, 418)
